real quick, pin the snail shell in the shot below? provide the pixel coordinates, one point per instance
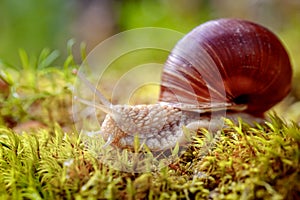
(253, 65)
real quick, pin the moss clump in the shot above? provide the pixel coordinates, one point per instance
(245, 162)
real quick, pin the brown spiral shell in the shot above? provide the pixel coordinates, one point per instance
(228, 60)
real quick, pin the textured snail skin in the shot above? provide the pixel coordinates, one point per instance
(225, 66)
(228, 60)
(158, 126)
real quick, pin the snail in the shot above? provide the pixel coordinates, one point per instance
(230, 66)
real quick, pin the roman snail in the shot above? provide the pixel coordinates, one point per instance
(227, 66)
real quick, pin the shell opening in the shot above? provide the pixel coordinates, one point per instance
(242, 99)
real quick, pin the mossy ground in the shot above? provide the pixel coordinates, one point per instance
(52, 160)
(247, 163)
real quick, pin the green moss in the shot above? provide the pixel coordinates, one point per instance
(251, 163)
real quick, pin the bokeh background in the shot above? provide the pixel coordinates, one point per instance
(33, 25)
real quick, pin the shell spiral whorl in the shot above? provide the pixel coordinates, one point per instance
(252, 62)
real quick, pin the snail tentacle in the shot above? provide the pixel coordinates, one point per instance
(100, 96)
(104, 108)
(110, 139)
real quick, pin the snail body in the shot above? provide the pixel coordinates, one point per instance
(226, 65)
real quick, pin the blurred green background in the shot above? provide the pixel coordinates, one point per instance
(33, 25)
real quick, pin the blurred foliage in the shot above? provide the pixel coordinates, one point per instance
(177, 14)
(31, 90)
(33, 25)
